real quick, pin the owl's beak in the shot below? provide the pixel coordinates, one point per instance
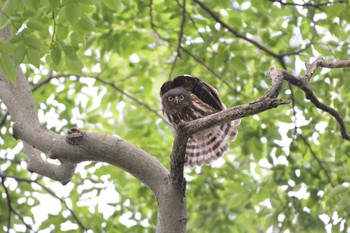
(176, 99)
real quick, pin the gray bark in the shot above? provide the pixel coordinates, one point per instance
(88, 146)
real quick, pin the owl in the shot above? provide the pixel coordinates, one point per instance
(187, 98)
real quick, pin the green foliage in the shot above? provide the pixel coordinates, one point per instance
(98, 65)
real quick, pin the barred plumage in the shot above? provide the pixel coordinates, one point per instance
(187, 98)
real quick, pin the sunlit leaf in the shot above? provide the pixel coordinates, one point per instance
(33, 57)
(111, 4)
(56, 55)
(8, 68)
(54, 4)
(337, 190)
(73, 11)
(19, 54)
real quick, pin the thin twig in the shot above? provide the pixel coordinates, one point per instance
(306, 4)
(311, 42)
(10, 207)
(234, 31)
(313, 154)
(181, 32)
(208, 68)
(303, 84)
(8, 197)
(49, 191)
(111, 84)
(154, 26)
(3, 118)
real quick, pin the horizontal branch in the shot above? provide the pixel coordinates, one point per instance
(303, 83)
(94, 147)
(321, 62)
(268, 101)
(88, 146)
(185, 129)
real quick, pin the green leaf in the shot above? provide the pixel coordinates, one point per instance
(33, 56)
(35, 24)
(76, 39)
(54, 4)
(70, 52)
(34, 42)
(337, 190)
(6, 47)
(72, 60)
(73, 11)
(19, 54)
(7, 8)
(62, 32)
(112, 4)
(8, 68)
(86, 24)
(29, 13)
(34, 4)
(56, 55)
(334, 10)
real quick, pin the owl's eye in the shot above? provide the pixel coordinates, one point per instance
(170, 98)
(181, 97)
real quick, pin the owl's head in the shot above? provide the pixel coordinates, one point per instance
(175, 99)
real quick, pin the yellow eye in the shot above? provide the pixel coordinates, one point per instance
(170, 98)
(181, 97)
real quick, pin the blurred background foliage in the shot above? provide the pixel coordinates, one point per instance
(98, 65)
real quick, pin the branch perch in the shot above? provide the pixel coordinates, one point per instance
(186, 129)
(268, 101)
(303, 83)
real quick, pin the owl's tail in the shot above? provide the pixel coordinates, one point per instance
(209, 145)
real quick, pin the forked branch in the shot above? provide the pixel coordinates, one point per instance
(268, 101)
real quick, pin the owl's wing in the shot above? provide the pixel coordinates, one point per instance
(202, 90)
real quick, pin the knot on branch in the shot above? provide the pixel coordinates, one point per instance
(74, 136)
(14, 129)
(310, 68)
(276, 76)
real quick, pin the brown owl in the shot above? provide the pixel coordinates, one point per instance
(187, 98)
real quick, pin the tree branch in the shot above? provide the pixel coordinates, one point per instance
(303, 83)
(181, 34)
(318, 160)
(268, 101)
(321, 62)
(305, 4)
(49, 191)
(235, 32)
(12, 210)
(186, 129)
(81, 146)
